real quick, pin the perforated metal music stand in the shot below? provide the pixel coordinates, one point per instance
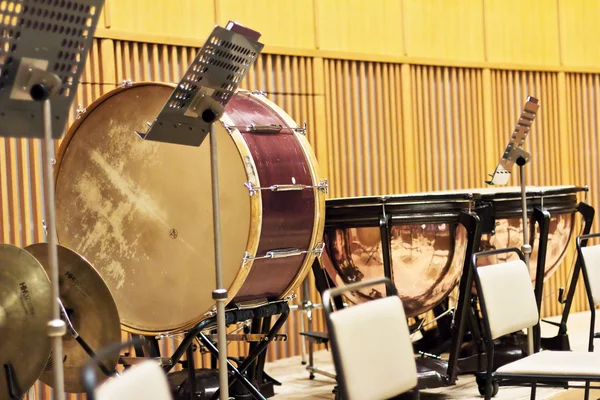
(208, 84)
(515, 154)
(189, 115)
(43, 49)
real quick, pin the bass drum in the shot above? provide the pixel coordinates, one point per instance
(427, 245)
(141, 211)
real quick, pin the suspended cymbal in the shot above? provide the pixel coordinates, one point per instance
(91, 309)
(25, 310)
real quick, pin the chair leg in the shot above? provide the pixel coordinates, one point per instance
(488, 385)
(416, 395)
(587, 390)
(533, 390)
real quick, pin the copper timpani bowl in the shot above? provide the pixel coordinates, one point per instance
(560, 201)
(427, 243)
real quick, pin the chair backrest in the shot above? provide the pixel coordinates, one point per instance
(372, 351)
(591, 263)
(508, 297)
(146, 380)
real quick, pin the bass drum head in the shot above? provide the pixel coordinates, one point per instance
(141, 211)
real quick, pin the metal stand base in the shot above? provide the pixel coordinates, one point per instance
(243, 379)
(14, 391)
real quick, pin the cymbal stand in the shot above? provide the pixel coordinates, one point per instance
(11, 383)
(81, 341)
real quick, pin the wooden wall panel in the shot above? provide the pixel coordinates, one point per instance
(583, 98)
(357, 26)
(287, 24)
(509, 91)
(530, 34)
(174, 19)
(519, 32)
(448, 126)
(364, 128)
(442, 29)
(578, 27)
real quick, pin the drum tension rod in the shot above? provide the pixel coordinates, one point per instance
(265, 128)
(283, 253)
(323, 186)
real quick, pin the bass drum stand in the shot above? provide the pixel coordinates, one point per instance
(247, 378)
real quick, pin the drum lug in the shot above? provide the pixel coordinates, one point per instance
(126, 83)
(299, 130)
(80, 110)
(290, 297)
(259, 93)
(227, 128)
(318, 250)
(323, 186)
(211, 313)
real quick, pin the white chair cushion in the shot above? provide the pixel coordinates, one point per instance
(375, 350)
(145, 380)
(555, 363)
(591, 256)
(508, 296)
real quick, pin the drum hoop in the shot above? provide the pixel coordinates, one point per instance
(534, 193)
(255, 201)
(319, 214)
(458, 195)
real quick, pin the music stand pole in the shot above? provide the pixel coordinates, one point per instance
(56, 326)
(193, 109)
(526, 248)
(514, 154)
(220, 294)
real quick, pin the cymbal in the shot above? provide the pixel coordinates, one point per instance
(91, 310)
(25, 310)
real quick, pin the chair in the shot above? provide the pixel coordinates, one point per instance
(145, 380)
(371, 347)
(508, 304)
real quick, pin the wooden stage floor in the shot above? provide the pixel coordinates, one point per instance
(297, 385)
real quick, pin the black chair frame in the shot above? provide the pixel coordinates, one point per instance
(492, 379)
(330, 296)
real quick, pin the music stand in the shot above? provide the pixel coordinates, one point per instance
(514, 153)
(188, 117)
(43, 49)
